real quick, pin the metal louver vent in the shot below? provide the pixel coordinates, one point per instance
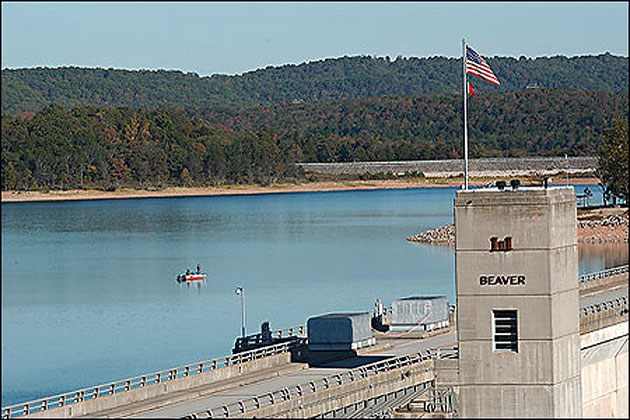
(505, 330)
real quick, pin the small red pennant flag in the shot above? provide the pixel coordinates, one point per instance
(470, 89)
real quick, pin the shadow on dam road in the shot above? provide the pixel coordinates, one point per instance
(352, 362)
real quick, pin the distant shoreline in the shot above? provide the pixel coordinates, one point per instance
(356, 185)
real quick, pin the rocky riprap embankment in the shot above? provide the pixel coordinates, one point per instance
(608, 229)
(443, 235)
(591, 230)
(444, 168)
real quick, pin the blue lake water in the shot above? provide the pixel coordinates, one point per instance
(89, 292)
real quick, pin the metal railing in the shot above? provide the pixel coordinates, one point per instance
(379, 406)
(276, 337)
(141, 381)
(239, 408)
(604, 273)
(277, 334)
(441, 399)
(289, 332)
(603, 314)
(598, 307)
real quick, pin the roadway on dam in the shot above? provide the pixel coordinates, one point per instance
(610, 294)
(281, 377)
(181, 403)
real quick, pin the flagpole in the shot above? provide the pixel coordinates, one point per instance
(465, 90)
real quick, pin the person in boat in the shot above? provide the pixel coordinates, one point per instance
(188, 271)
(198, 268)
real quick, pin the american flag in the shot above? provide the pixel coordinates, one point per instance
(478, 66)
(470, 89)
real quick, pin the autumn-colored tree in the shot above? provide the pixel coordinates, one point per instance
(185, 178)
(123, 147)
(119, 171)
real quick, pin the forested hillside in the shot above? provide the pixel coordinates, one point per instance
(324, 81)
(105, 147)
(542, 122)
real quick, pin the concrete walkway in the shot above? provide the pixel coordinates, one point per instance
(605, 296)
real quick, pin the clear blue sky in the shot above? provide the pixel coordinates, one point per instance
(231, 38)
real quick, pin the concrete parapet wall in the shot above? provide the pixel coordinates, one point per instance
(447, 372)
(603, 335)
(445, 168)
(158, 390)
(595, 321)
(335, 397)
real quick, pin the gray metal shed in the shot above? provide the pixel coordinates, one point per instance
(340, 331)
(431, 312)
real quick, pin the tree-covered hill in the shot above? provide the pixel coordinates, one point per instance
(323, 81)
(109, 147)
(542, 122)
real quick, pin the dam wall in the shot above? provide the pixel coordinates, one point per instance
(453, 167)
(173, 390)
(605, 372)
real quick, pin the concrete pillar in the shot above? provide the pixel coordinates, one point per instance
(518, 302)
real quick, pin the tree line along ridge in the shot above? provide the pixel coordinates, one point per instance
(96, 128)
(330, 80)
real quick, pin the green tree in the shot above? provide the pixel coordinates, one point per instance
(613, 160)
(9, 177)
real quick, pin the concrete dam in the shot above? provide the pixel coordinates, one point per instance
(486, 167)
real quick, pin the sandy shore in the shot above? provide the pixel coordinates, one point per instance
(24, 196)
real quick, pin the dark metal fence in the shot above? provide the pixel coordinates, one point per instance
(125, 385)
(241, 407)
(604, 273)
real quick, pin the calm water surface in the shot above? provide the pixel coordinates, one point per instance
(88, 290)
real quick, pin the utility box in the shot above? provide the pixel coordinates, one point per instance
(421, 313)
(340, 332)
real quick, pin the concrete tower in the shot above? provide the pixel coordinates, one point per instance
(518, 302)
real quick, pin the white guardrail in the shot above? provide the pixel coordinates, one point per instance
(129, 384)
(604, 273)
(289, 332)
(239, 408)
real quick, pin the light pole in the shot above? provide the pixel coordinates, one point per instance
(240, 291)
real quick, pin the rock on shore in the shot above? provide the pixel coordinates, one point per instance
(443, 235)
(592, 229)
(609, 229)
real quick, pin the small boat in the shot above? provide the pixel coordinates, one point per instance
(186, 277)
